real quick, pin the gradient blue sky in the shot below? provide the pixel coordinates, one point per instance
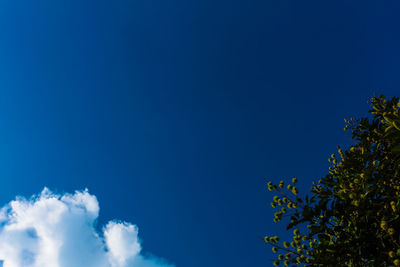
(173, 113)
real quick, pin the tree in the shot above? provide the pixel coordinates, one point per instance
(351, 216)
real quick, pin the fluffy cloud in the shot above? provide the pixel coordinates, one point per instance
(50, 230)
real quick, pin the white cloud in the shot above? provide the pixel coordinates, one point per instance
(50, 230)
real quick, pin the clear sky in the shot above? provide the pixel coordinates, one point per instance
(173, 113)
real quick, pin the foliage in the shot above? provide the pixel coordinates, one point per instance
(351, 217)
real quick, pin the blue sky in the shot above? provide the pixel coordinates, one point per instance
(173, 113)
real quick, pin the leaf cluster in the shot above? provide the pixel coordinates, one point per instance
(351, 216)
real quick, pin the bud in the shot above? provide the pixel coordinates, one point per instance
(294, 190)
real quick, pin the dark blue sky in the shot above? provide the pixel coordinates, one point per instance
(173, 113)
